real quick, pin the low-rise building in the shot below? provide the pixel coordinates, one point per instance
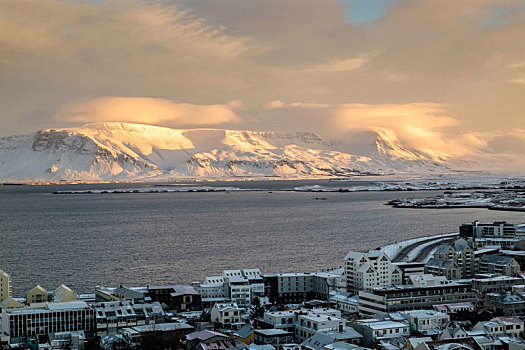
(494, 284)
(498, 264)
(281, 319)
(345, 302)
(442, 267)
(273, 337)
(309, 323)
(296, 288)
(400, 298)
(374, 331)
(239, 286)
(425, 319)
(454, 308)
(49, 318)
(194, 339)
(115, 315)
(177, 297)
(228, 315)
(36, 295)
(409, 269)
(504, 304)
(156, 336)
(512, 325)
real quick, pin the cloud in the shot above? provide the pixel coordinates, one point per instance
(147, 111)
(336, 66)
(303, 53)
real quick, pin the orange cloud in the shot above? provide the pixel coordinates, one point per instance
(147, 111)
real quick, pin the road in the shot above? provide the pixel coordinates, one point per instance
(405, 251)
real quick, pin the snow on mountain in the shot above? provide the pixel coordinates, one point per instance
(122, 151)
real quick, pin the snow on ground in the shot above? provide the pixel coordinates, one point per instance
(412, 255)
(393, 249)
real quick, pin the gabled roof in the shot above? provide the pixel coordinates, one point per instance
(205, 335)
(441, 264)
(38, 288)
(244, 332)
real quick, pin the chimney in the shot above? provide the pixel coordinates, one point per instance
(340, 328)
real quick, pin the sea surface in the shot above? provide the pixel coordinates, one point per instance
(85, 240)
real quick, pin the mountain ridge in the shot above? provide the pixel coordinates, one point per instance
(115, 151)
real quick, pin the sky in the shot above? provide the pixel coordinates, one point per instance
(441, 74)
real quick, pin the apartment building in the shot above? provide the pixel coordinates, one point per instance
(49, 318)
(5, 286)
(295, 288)
(239, 286)
(364, 271)
(400, 298)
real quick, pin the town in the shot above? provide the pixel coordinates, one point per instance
(463, 291)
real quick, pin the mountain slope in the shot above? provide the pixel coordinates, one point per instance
(122, 151)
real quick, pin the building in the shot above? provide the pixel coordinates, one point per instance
(239, 286)
(324, 338)
(137, 294)
(461, 254)
(374, 331)
(245, 334)
(296, 288)
(498, 264)
(442, 267)
(400, 298)
(512, 325)
(284, 320)
(157, 336)
(346, 302)
(63, 294)
(36, 295)
(498, 233)
(274, 337)
(468, 343)
(451, 309)
(177, 297)
(310, 322)
(425, 319)
(228, 315)
(491, 283)
(10, 303)
(365, 271)
(496, 229)
(5, 286)
(112, 316)
(409, 269)
(68, 340)
(50, 318)
(194, 339)
(504, 304)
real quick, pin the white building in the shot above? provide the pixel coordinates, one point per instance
(239, 286)
(227, 314)
(365, 271)
(280, 319)
(309, 323)
(425, 319)
(374, 331)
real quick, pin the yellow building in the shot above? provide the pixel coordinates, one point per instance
(5, 286)
(63, 294)
(36, 295)
(10, 303)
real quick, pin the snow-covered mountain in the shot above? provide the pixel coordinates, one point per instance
(122, 151)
